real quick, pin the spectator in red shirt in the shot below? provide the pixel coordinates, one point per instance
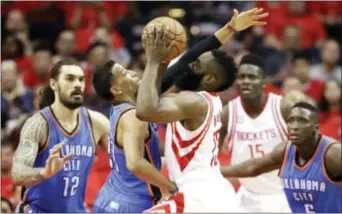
(312, 32)
(330, 117)
(39, 72)
(6, 165)
(310, 86)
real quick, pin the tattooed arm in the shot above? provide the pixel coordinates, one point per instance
(33, 134)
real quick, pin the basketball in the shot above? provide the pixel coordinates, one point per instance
(176, 33)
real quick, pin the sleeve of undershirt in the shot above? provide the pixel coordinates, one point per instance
(182, 65)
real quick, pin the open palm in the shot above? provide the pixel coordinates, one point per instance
(244, 20)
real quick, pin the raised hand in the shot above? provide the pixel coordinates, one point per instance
(55, 163)
(157, 43)
(244, 20)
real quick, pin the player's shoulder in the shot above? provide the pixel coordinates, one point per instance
(37, 117)
(130, 122)
(333, 149)
(97, 118)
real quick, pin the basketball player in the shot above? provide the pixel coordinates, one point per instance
(194, 123)
(57, 145)
(253, 122)
(310, 165)
(135, 179)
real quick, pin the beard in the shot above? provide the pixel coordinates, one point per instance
(69, 103)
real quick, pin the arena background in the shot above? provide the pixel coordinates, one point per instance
(301, 45)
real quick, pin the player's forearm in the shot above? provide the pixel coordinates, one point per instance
(147, 172)
(26, 176)
(148, 96)
(242, 170)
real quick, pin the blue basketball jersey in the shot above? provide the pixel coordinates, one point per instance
(120, 178)
(65, 191)
(308, 188)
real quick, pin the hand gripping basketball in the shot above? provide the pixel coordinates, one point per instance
(244, 20)
(158, 45)
(55, 163)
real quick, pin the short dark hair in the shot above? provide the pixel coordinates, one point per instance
(228, 65)
(94, 45)
(307, 106)
(253, 59)
(301, 55)
(102, 79)
(48, 96)
(43, 46)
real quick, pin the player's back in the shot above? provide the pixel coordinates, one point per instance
(65, 191)
(309, 188)
(120, 179)
(192, 155)
(253, 137)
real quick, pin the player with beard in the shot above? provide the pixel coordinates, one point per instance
(57, 145)
(253, 122)
(309, 165)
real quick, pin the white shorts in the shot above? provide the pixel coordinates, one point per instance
(253, 202)
(203, 199)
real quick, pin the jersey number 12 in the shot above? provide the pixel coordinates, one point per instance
(71, 182)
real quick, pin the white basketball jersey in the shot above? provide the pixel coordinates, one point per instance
(191, 156)
(252, 138)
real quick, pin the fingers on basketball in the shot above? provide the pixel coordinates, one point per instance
(172, 32)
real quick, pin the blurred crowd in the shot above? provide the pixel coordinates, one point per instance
(301, 45)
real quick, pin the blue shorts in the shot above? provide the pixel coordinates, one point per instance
(109, 201)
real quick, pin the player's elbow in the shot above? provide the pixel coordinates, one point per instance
(16, 177)
(144, 114)
(134, 165)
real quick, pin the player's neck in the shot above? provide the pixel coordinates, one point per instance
(125, 99)
(254, 105)
(308, 148)
(63, 113)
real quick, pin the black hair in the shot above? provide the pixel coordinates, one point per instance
(301, 55)
(229, 67)
(94, 45)
(102, 79)
(253, 59)
(324, 104)
(307, 106)
(20, 45)
(48, 95)
(8, 202)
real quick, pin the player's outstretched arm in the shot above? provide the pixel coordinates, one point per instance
(180, 72)
(333, 159)
(133, 133)
(257, 166)
(33, 133)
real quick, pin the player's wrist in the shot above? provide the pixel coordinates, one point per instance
(44, 174)
(174, 189)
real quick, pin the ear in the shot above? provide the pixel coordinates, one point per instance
(115, 90)
(209, 79)
(53, 84)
